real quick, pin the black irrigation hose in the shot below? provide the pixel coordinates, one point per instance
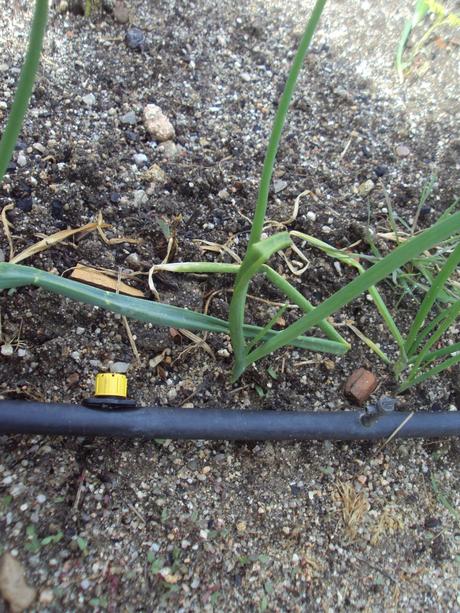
(21, 417)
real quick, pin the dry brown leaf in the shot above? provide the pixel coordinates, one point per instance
(113, 241)
(50, 241)
(6, 228)
(158, 359)
(217, 248)
(197, 340)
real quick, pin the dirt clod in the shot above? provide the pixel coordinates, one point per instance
(13, 586)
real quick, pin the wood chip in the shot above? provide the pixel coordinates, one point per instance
(92, 276)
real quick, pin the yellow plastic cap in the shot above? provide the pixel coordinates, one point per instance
(111, 384)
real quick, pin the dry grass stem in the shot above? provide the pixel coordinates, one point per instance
(354, 508)
(6, 228)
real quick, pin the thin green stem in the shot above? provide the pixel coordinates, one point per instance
(278, 280)
(349, 260)
(238, 302)
(431, 296)
(25, 85)
(397, 258)
(436, 336)
(430, 373)
(255, 258)
(427, 330)
(274, 320)
(16, 275)
(439, 353)
(279, 121)
(299, 299)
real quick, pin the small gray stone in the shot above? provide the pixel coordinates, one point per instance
(245, 76)
(279, 185)
(155, 175)
(63, 7)
(4, 67)
(129, 118)
(140, 197)
(402, 151)
(2, 255)
(89, 99)
(39, 147)
(119, 367)
(22, 160)
(135, 38)
(133, 261)
(342, 93)
(168, 148)
(140, 159)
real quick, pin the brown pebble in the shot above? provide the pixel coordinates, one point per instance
(360, 385)
(73, 379)
(120, 12)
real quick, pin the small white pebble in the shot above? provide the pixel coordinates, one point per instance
(311, 216)
(89, 99)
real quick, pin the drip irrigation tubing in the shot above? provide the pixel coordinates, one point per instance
(25, 417)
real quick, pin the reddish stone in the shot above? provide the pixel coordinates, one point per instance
(360, 385)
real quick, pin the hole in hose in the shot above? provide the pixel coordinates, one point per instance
(368, 419)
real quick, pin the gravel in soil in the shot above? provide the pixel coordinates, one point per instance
(172, 525)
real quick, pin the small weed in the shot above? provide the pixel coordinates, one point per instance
(263, 606)
(5, 503)
(215, 598)
(443, 499)
(99, 602)
(156, 563)
(34, 543)
(82, 545)
(442, 17)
